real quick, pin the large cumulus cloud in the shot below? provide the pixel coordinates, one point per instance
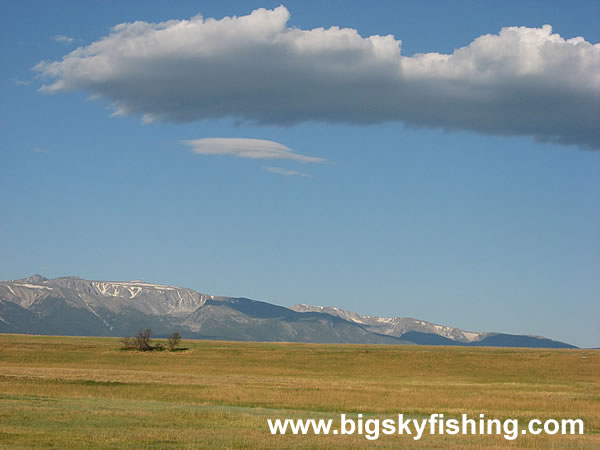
(522, 81)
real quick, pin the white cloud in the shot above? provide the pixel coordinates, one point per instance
(522, 81)
(286, 172)
(63, 39)
(248, 148)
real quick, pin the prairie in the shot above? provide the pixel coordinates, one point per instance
(85, 392)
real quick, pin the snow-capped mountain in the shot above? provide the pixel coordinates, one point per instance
(147, 297)
(395, 326)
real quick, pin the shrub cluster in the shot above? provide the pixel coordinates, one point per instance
(142, 342)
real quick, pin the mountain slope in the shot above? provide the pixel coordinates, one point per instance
(244, 319)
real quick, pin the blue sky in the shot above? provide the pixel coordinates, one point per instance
(383, 193)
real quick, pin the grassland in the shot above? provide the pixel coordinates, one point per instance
(66, 392)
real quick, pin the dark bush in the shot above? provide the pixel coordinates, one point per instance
(173, 341)
(142, 341)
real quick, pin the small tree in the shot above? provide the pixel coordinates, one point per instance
(127, 342)
(142, 340)
(174, 341)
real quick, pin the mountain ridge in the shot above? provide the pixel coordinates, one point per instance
(395, 326)
(75, 306)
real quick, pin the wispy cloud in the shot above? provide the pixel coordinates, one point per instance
(522, 81)
(63, 39)
(248, 148)
(22, 83)
(286, 172)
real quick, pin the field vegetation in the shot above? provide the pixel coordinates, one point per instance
(68, 392)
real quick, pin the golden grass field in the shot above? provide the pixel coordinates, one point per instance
(69, 392)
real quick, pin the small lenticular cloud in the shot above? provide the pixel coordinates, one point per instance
(63, 39)
(286, 172)
(248, 148)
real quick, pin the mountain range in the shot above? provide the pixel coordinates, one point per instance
(77, 307)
